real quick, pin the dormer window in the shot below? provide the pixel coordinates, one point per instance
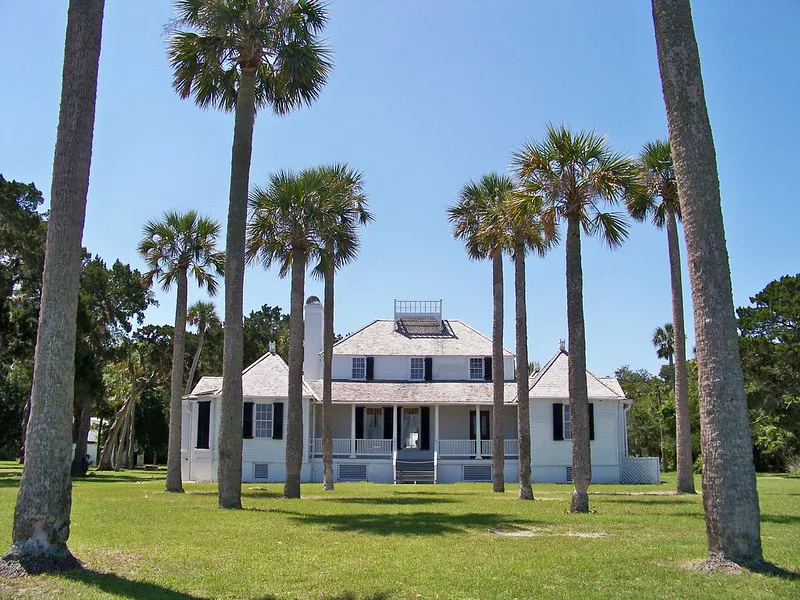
(476, 368)
(417, 369)
(359, 367)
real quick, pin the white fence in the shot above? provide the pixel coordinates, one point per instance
(344, 446)
(645, 469)
(468, 447)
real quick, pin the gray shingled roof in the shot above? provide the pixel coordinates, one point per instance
(406, 392)
(379, 338)
(552, 381)
(268, 377)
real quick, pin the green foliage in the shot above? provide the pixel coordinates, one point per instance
(262, 326)
(769, 343)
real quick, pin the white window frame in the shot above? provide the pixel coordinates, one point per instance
(567, 422)
(482, 372)
(373, 423)
(263, 419)
(362, 361)
(421, 368)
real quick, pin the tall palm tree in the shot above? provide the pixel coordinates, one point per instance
(479, 220)
(41, 517)
(664, 342)
(343, 193)
(286, 218)
(204, 315)
(658, 199)
(174, 247)
(576, 173)
(730, 499)
(527, 231)
(243, 55)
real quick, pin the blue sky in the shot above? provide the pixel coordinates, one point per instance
(424, 97)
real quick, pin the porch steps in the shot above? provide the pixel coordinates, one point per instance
(414, 471)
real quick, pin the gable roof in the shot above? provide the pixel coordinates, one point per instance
(380, 338)
(267, 377)
(552, 381)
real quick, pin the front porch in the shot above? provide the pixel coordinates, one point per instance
(438, 432)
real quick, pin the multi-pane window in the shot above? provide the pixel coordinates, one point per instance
(263, 420)
(567, 423)
(373, 423)
(359, 367)
(417, 369)
(476, 368)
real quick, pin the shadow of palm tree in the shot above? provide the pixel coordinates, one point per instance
(408, 524)
(125, 588)
(405, 499)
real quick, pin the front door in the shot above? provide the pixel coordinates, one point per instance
(411, 429)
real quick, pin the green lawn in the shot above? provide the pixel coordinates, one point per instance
(383, 541)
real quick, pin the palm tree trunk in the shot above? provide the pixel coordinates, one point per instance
(578, 394)
(294, 410)
(80, 465)
(327, 363)
(730, 499)
(41, 517)
(174, 480)
(498, 377)
(26, 413)
(230, 430)
(523, 399)
(201, 334)
(683, 432)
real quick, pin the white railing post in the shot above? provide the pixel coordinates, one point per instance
(394, 466)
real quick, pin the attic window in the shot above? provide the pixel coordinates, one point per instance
(476, 368)
(359, 367)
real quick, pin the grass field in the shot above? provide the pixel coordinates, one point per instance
(382, 541)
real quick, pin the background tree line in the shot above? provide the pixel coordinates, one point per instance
(769, 342)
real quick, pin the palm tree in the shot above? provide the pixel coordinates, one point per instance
(204, 315)
(664, 342)
(344, 195)
(41, 517)
(173, 248)
(576, 173)
(286, 218)
(658, 199)
(242, 55)
(527, 231)
(730, 499)
(479, 220)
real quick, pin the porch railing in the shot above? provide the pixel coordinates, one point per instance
(468, 447)
(344, 446)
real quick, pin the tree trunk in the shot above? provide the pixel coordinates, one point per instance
(41, 517)
(730, 499)
(129, 455)
(578, 394)
(104, 460)
(83, 421)
(294, 412)
(327, 363)
(119, 447)
(174, 481)
(683, 432)
(523, 400)
(229, 473)
(26, 413)
(201, 334)
(498, 377)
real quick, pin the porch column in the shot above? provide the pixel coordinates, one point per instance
(394, 429)
(436, 429)
(353, 431)
(478, 431)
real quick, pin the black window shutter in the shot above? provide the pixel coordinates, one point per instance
(428, 369)
(387, 422)
(558, 421)
(359, 422)
(203, 423)
(425, 428)
(472, 425)
(591, 421)
(277, 421)
(487, 368)
(247, 421)
(370, 375)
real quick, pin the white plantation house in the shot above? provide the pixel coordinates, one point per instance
(412, 402)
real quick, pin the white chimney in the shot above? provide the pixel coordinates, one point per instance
(312, 358)
(272, 348)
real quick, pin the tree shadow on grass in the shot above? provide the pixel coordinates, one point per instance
(782, 519)
(125, 588)
(405, 499)
(407, 524)
(112, 477)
